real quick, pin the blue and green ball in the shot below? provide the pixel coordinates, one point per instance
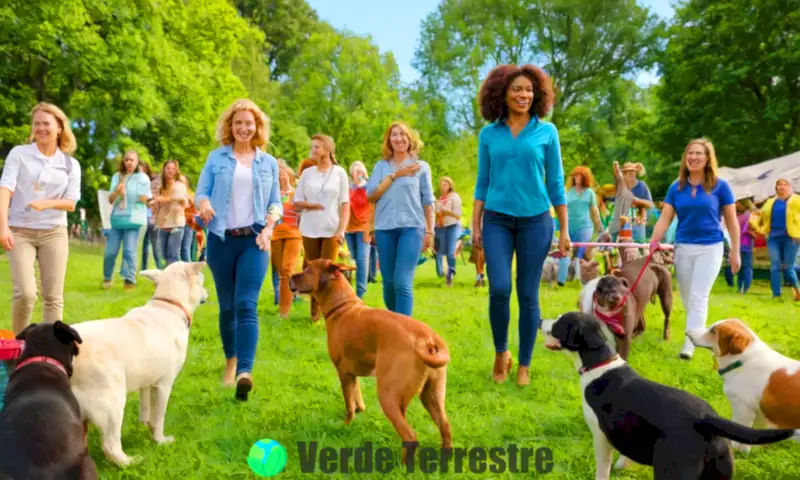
(267, 458)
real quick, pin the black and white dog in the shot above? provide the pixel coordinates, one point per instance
(678, 434)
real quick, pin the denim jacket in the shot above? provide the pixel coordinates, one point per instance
(216, 184)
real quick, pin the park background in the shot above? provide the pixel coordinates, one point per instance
(635, 82)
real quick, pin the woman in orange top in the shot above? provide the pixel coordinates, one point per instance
(357, 234)
(286, 243)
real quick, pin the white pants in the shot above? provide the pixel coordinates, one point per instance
(697, 268)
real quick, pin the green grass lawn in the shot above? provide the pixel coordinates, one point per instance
(297, 395)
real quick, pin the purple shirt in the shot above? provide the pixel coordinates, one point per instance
(746, 238)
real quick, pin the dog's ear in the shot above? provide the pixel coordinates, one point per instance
(21, 335)
(153, 274)
(194, 268)
(592, 336)
(342, 267)
(66, 334)
(326, 274)
(583, 262)
(616, 272)
(593, 263)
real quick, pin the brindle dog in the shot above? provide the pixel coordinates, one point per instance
(618, 310)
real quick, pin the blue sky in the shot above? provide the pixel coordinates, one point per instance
(394, 25)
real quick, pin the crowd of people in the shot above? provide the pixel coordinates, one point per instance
(251, 211)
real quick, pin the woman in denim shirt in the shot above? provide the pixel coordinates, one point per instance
(239, 230)
(401, 188)
(520, 175)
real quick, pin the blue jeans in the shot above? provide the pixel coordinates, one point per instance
(639, 233)
(186, 244)
(170, 241)
(373, 263)
(448, 238)
(276, 282)
(238, 268)
(530, 238)
(399, 249)
(579, 235)
(129, 239)
(360, 252)
(782, 255)
(150, 240)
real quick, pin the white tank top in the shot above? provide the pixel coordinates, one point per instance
(240, 213)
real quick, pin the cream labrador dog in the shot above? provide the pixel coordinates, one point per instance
(142, 351)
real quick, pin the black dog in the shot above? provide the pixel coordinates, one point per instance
(675, 432)
(42, 435)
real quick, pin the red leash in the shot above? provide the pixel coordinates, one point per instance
(612, 318)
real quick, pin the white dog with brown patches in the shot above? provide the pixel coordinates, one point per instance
(759, 382)
(142, 351)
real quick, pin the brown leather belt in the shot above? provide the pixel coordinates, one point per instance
(240, 232)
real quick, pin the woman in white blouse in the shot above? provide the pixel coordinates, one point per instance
(448, 225)
(323, 198)
(42, 182)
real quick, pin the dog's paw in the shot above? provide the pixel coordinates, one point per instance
(622, 463)
(348, 418)
(164, 440)
(745, 449)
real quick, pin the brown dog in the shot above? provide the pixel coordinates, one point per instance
(406, 355)
(656, 280)
(608, 299)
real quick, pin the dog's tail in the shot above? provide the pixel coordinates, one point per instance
(713, 425)
(433, 351)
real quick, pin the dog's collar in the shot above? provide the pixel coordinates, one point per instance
(177, 304)
(583, 370)
(732, 366)
(42, 359)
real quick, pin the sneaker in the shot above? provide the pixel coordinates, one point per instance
(106, 284)
(129, 285)
(450, 274)
(688, 350)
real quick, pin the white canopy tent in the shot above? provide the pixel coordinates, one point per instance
(758, 181)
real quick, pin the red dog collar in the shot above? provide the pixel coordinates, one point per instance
(584, 369)
(613, 318)
(178, 304)
(42, 359)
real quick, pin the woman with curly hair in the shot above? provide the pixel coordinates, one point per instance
(583, 214)
(240, 230)
(520, 176)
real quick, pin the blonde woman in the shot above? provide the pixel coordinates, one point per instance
(172, 201)
(240, 230)
(779, 223)
(402, 191)
(701, 201)
(42, 182)
(359, 228)
(448, 225)
(323, 200)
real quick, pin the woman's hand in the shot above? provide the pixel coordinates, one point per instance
(427, 243)
(6, 238)
(120, 189)
(264, 240)
(408, 171)
(564, 242)
(206, 212)
(39, 205)
(339, 236)
(477, 236)
(735, 260)
(366, 237)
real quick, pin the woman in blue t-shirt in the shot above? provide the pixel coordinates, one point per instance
(584, 218)
(699, 199)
